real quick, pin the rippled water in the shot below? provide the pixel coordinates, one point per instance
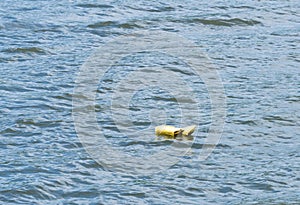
(255, 46)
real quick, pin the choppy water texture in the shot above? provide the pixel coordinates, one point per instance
(255, 47)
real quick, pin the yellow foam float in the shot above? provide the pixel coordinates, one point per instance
(173, 132)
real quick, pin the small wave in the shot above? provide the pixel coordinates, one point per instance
(102, 24)
(35, 50)
(8, 131)
(166, 99)
(26, 193)
(279, 120)
(293, 99)
(94, 6)
(221, 22)
(42, 124)
(154, 9)
(201, 145)
(14, 88)
(234, 7)
(49, 30)
(63, 96)
(245, 122)
(129, 25)
(156, 143)
(258, 186)
(226, 189)
(113, 24)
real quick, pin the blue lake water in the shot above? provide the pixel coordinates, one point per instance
(254, 45)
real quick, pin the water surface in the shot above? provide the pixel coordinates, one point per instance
(255, 46)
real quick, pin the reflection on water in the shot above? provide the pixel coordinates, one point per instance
(255, 46)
